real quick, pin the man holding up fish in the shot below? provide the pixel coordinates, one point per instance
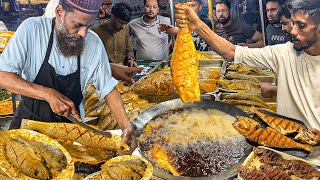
(297, 63)
(57, 57)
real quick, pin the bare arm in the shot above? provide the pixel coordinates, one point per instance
(217, 43)
(257, 39)
(124, 73)
(169, 29)
(59, 103)
(116, 107)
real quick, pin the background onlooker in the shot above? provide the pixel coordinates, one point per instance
(115, 35)
(150, 44)
(274, 33)
(234, 30)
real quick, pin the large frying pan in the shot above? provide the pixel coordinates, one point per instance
(163, 107)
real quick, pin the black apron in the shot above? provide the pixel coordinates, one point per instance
(40, 110)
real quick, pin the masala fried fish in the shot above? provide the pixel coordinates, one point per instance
(234, 76)
(74, 133)
(285, 127)
(253, 131)
(53, 156)
(184, 67)
(24, 158)
(239, 85)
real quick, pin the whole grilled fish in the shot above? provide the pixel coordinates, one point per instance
(24, 158)
(282, 125)
(72, 132)
(53, 156)
(184, 67)
(253, 131)
(285, 127)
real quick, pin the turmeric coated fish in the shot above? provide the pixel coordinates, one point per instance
(53, 156)
(282, 125)
(253, 131)
(72, 132)
(285, 127)
(184, 67)
(24, 158)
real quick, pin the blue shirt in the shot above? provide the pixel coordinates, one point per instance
(26, 51)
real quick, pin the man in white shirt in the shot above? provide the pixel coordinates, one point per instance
(297, 64)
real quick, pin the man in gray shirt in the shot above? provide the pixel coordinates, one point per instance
(150, 44)
(275, 35)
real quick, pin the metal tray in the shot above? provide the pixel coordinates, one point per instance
(149, 114)
(269, 79)
(5, 122)
(252, 156)
(266, 70)
(269, 101)
(220, 96)
(159, 99)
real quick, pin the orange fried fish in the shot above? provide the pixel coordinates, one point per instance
(24, 158)
(253, 131)
(282, 125)
(184, 67)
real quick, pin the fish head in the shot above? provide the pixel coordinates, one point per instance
(40, 172)
(245, 125)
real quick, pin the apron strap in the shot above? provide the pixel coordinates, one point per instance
(46, 59)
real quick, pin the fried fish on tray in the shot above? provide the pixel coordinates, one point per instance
(244, 103)
(243, 69)
(24, 158)
(244, 96)
(286, 127)
(72, 132)
(253, 131)
(53, 156)
(126, 167)
(238, 76)
(239, 85)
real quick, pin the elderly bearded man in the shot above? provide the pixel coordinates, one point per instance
(58, 57)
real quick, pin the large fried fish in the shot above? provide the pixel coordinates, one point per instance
(184, 67)
(253, 131)
(24, 158)
(282, 125)
(72, 132)
(53, 156)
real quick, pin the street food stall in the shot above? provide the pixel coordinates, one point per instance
(232, 132)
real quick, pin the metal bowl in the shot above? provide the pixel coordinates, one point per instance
(166, 106)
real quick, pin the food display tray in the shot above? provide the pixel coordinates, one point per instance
(253, 161)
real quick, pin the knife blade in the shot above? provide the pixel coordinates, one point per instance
(89, 128)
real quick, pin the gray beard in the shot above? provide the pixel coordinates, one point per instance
(69, 45)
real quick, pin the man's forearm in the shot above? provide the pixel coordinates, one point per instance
(15, 84)
(258, 44)
(217, 43)
(115, 104)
